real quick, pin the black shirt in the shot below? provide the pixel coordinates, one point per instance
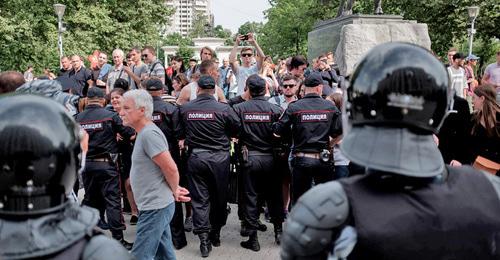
(207, 124)
(257, 116)
(166, 117)
(102, 126)
(311, 121)
(235, 100)
(81, 77)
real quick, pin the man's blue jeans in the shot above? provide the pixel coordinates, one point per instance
(153, 239)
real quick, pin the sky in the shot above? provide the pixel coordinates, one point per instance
(233, 13)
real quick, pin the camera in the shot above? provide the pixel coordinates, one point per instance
(125, 63)
(325, 155)
(244, 37)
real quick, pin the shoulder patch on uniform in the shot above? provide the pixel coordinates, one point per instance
(313, 115)
(157, 118)
(258, 117)
(92, 126)
(200, 115)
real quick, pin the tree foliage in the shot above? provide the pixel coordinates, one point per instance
(29, 29)
(289, 21)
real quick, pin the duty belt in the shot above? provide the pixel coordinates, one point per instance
(199, 150)
(256, 153)
(307, 155)
(98, 160)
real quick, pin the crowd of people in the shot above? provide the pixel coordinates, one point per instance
(247, 131)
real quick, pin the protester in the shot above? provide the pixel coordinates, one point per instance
(154, 178)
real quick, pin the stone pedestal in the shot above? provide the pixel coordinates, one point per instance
(350, 37)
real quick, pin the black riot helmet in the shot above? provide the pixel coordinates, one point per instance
(401, 85)
(398, 97)
(39, 148)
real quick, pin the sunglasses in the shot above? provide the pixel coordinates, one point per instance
(288, 86)
(246, 55)
(144, 55)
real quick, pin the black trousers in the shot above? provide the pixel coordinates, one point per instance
(305, 171)
(177, 223)
(102, 185)
(261, 180)
(208, 175)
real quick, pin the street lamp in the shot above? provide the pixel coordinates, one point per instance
(473, 12)
(60, 29)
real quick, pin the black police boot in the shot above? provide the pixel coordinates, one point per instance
(252, 243)
(205, 246)
(126, 244)
(244, 229)
(214, 237)
(261, 226)
(278, 230)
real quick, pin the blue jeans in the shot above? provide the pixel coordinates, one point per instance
(153, 239)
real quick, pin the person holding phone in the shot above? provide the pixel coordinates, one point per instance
(247, 56)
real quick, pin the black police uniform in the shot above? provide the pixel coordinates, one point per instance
(408, 204)
(312, 121)
(101, 179)
(206, 126)
(258, 173)
(39, 148)
(166, 117)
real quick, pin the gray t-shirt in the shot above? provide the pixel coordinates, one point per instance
(149, 186)
(242, 76)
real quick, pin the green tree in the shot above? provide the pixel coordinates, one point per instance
(200, 26)
(248, 27)
(289, 21)
(29, 29)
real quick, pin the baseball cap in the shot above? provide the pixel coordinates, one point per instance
(206, 82)
(95, 93)
(313, 79)
(472, 57)
(255, 83)
(154, 84)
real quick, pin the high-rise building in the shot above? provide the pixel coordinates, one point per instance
(185, 12)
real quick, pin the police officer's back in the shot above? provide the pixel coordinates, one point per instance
(259, 178)
(39, 148)
(312, 121)
(207, 126)
(101, 179)
(408, 204)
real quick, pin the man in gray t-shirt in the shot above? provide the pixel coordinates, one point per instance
(246, 69)
(150, 188)
(154, 179)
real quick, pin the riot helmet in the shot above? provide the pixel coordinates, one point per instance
(397, 97)
(39, 149)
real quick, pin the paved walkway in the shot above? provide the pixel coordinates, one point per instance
(230, 242)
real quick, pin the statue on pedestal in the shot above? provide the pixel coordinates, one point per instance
(345, 7)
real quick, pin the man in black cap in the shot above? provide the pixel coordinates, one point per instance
(312, 121)
(100, 177)
(166, 117)
(207, 125)
(256, 138)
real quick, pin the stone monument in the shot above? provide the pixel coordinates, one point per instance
(351, 36)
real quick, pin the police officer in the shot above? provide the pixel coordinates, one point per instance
(258, 172)
(408, 204)
(312, 122)
(39, 154)
(166, 117)
(207, 125)
(101, 179)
